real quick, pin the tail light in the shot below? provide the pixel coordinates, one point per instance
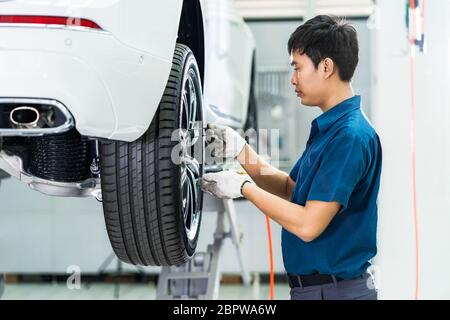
(49, 20)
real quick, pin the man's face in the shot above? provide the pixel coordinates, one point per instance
(309, 83)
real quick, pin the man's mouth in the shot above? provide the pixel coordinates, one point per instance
(299, 93)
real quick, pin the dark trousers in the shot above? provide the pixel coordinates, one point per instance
(362, 288)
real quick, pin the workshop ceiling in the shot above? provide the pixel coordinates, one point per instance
(270, 9)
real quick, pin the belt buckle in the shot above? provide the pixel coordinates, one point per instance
(294, 281)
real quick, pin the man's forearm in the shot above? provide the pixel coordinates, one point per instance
(265, 176)
(290, 216)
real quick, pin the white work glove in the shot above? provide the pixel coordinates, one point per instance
(224, 184)
(224, 141)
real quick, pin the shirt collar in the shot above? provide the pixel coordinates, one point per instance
(326, 119)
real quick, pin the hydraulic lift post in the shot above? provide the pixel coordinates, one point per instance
(200, 277)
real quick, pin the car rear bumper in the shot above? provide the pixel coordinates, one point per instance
(111, 90)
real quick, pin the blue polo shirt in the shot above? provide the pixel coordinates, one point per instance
(342, 163)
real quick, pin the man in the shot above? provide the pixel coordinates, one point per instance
(327, 205)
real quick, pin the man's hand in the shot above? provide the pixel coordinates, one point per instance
(224, 184)
(225, 142)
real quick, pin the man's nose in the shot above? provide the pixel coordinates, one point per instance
(294, 79)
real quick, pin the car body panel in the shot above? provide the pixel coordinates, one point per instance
(106, 88)
(230, 47)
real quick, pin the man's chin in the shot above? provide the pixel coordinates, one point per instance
(305, 102)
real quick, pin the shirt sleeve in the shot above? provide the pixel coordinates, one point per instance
(294, 172)
(341, 167)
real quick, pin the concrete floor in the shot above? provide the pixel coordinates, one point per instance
(100, 291)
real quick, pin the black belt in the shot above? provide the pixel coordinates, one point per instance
(312, 280)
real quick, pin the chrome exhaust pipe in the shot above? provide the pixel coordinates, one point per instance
(28, 117)
(24, 117)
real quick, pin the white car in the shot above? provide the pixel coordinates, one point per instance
(92, 92)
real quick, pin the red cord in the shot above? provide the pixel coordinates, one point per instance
(272, 277)
(413, 141)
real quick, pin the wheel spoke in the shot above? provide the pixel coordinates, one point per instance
(193, 196)
(190, 174)
(183, 175)
(195, 132)
(192, 103)
(192, 165)
(185, 199)
(184, 139)
(192, 204)
(184, 111)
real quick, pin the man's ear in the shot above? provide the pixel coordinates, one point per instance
(328, 67)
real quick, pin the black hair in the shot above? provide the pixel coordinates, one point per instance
(327, 37)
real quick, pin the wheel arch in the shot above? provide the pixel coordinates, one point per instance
(191, 32)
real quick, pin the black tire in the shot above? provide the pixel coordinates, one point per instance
(149, 218)
(251, 122)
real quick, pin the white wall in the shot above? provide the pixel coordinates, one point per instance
(391, 117)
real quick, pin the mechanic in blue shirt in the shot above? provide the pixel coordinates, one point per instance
(327, 205)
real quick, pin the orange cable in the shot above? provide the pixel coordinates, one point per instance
(272, 277)
(413, 143)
